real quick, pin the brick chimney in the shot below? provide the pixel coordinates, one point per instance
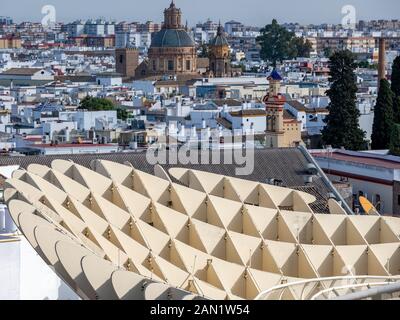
(382, 60)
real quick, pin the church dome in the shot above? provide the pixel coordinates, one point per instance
(175, 38)
(219, 39)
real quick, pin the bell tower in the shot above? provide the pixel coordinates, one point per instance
(172, 17)
(274, 102)
(220, 63)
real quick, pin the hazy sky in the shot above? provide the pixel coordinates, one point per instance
(250, 12)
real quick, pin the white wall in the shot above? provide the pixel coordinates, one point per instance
(109, 81)
(300, 115)
(9, 271)
(87, 119)
(25, 276)
(370, 190)
(315, 127)
(260, 123)
(145, 86)
(209, 116)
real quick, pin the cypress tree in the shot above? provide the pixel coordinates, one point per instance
(396, 109)
(396, 77)
(342, 124)
(383, 118)
(396, 88)
(395, 140)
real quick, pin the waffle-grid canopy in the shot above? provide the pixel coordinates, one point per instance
(115, 232)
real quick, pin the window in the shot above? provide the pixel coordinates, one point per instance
(398, 200)
(170, 65)
(188, 65)
(154, 65)
(121, 58)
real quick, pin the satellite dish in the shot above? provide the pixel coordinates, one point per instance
(368, 207)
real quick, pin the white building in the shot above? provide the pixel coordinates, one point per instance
(109, 79)
(76, 29)
(27, 74)
(87, 119)
(145, 39)
(232, 26)
(127, 39)
(109, 28)
(299, 111)
(147, 87)
(58, 130)
(248, 120)
(95, 28)
(373, 175)
(204, 116)
(316, 120)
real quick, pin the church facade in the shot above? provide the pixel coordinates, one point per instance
(172, 50)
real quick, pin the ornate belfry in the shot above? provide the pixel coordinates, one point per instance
(172, 17)
(220, 62)
(274, 103)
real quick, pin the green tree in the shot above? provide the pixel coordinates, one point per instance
(342, 125)
(204, 51)
(396, 77)
(395, 140)
(96, 104)
(278, 44)
(301, 47)
(396, 109)
(328, 52)
(396, 89)
(122, 114)
(383, 118)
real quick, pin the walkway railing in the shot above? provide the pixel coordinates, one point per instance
(325, 288)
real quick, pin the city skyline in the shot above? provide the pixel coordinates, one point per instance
(308, 12)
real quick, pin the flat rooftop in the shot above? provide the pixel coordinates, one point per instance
(368, 159)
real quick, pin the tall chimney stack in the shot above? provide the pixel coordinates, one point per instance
(382, 60)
